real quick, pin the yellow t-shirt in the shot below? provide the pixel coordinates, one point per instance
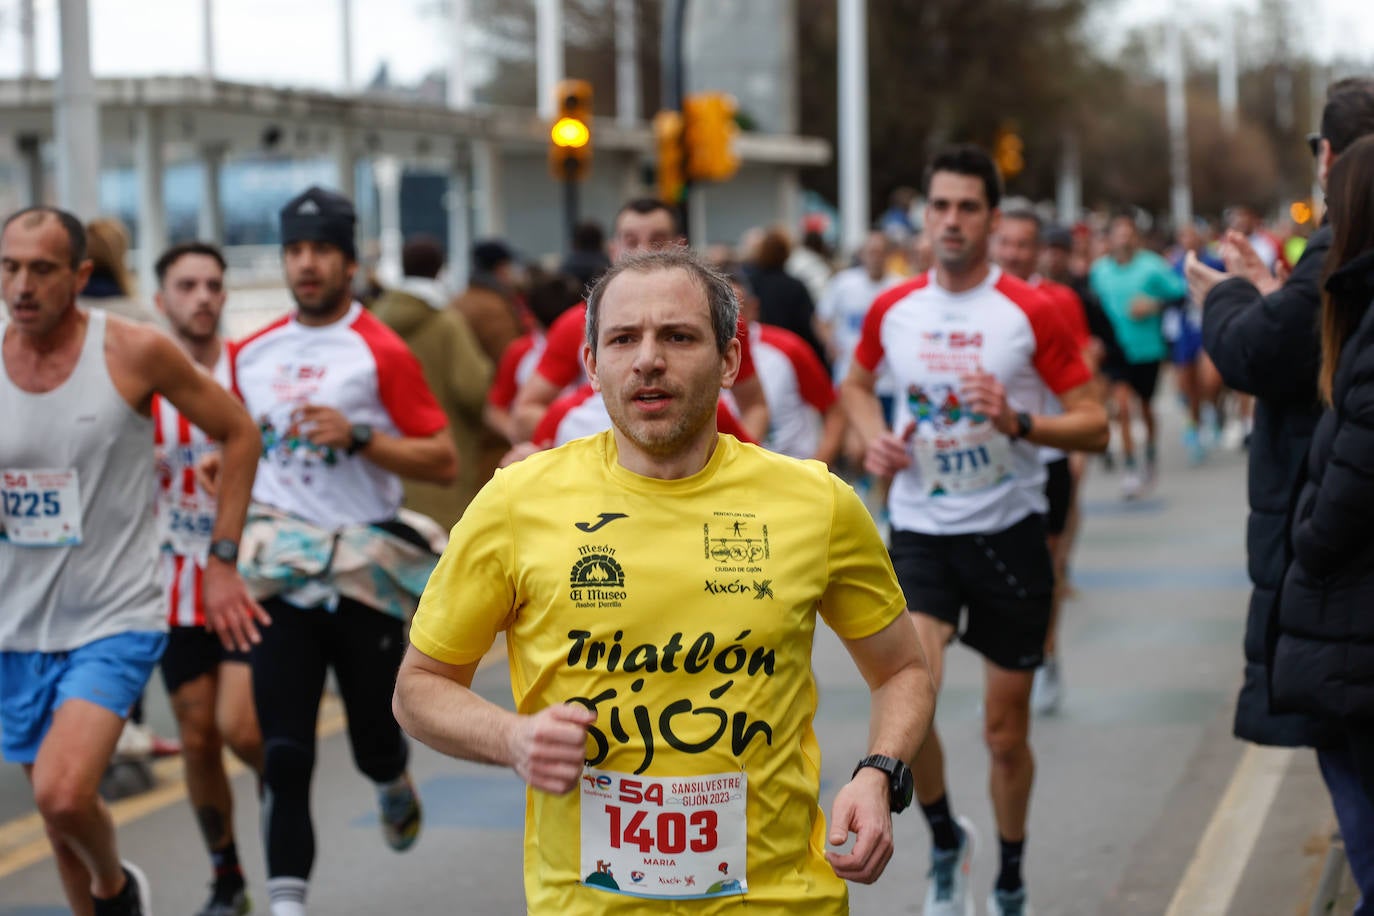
(683, 611)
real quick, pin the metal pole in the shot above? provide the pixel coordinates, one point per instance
(386, 171)
(1228, 73)
(458, 230)
(28, 67)
(626, 56)
(570, 208)
(459, 89)
(672, 84)
(346, 26)
(210, 219)
(1181, 193)
(207, 36)
(152, 213)
(1070, 192)
(76, 115)
(853, 118)
(549, 39)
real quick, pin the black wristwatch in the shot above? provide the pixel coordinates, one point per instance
(900, 786)
(1023, 425)
(226, 550)
(359, 435)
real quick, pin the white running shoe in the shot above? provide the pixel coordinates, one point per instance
(1009, 903)
(1047, 690)
(947, 890)
(1132, 485)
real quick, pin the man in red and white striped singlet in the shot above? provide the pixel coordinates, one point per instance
(211, 687)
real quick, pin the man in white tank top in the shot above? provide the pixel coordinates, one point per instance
(84, 621)
(211, 686)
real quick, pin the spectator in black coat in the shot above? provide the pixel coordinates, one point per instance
(1262, 336)
(1323, 660)
(783, 299)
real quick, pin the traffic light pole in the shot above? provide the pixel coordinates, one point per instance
(674, 80)
(570, 203)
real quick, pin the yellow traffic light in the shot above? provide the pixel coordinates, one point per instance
(1301, 212)
(710, 133)
(1009, 153)
(570, 137)
(668, 143)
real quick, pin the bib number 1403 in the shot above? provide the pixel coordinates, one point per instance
(670, 833)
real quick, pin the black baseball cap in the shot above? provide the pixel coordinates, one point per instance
(318, 215)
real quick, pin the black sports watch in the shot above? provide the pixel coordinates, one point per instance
(900, 785)
(1023, 425)
(359, 435)
(226, 550)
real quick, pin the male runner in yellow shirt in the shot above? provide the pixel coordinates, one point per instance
(659, 600)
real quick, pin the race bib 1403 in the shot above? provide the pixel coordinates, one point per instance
(681, 836)
(41, 507)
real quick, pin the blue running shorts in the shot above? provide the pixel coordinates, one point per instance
(109, 672)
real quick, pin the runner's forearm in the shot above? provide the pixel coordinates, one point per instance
(1080, 429)
(239, 455)
(431, 458)
(902, 709)
(451, 718)
(862, 407)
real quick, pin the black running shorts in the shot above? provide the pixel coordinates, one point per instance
(1059, 491)
(191, 652)
(1142, 377)
(1005, 580)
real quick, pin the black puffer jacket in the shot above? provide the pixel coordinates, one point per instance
(1268, 346)
(1324, 656)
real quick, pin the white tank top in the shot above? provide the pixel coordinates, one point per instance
(76, 463)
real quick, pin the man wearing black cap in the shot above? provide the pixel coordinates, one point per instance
(344, 413)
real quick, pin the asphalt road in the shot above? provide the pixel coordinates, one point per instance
(1137, 779)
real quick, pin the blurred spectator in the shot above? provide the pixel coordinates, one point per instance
(489, 303)
(783, 299)
(1324, 655)
(588, 259)
(110, 286)
(1244, 219)
(895, 221)
(550, 295)
(811, 262)
(455, 368)
(917, 257)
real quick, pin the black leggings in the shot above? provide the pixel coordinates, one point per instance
(364, 647)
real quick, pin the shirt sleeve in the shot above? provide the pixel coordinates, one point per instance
(1058, 359)
(813, 382)
(746, 353)
(471, 595)
(405, 394)
(862, 595)
(505, 385)
(561, 362)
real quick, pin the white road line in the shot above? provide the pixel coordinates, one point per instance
(1213, 875)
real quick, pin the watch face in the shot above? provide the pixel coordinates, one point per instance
(903, 789)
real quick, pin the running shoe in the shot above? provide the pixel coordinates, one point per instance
(1192, 444)
(1047, 690)
(947, 891)
(1008, 903)
(135, 899)
(1132, 484)
(227, 898)
(400, 815)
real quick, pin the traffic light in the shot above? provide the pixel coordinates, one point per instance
(668, 142)
(570, 137)
(1300, 211)
(709, 122)
(1009, 153)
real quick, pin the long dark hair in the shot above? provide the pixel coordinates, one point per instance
(1350, 202)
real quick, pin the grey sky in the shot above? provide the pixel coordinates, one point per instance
(297, 42)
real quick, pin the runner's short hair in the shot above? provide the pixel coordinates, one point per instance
(181, 250)
(720, 295)
(76, 232)
(966, 159)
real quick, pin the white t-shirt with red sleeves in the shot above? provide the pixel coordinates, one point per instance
(517, 362)
(356, 365)
(185, 512)
(797, 389)
(966, 477)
